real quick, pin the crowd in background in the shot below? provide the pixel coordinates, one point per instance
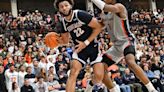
(27, 64)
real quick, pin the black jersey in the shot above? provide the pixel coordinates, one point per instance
(78, 26)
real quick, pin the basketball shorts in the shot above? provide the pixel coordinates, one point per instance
(117, 52)
(89, 55)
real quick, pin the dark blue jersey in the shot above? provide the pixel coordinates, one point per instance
(78, 26)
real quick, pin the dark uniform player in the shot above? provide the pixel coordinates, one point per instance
(83, 29)
(79, 32)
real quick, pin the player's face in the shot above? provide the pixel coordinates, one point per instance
(65, 8)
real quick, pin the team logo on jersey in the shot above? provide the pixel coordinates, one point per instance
(74, 26)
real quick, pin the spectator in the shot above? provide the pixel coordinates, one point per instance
(35, 67)
(41, 86)
(155, 79)
(2, 80)
(15, 87)
(119, 81)
(43, 74)
(51, 71)
(28, 55)
(30, 76)
(130, 79)
(27, 87)
(11, 76)
(53, 85)
(8, 60)
(122, 66)
(21, 75)
(43, 63)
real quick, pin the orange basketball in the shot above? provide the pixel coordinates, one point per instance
(51, 40)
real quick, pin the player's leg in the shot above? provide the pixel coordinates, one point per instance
(129, 53)
(107, 79)
(98, 71)
(98, 67)
(76, 66)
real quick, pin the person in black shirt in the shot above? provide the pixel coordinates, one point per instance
(2, 80)
(27, 87)
(29, 75)
(83, 29)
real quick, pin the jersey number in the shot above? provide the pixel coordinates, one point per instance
(78, 32)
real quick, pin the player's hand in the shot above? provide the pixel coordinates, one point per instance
(81, 45)
(59, 39)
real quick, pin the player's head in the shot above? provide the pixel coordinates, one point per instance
(64, 6)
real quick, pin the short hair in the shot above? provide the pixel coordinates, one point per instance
(56, 3)
(40, 77)
(10, 65)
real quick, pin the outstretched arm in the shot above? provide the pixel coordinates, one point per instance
(116, 8)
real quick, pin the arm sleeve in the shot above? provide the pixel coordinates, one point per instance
(84, 17)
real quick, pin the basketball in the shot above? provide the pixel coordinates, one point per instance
(51, 40)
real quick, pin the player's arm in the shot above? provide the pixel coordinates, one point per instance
(116, 8)
(63, 34)
(91, 22)
(63, 38)
(97, 28)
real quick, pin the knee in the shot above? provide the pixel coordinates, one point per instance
(74, 72)
(131, 63)
(99, 69)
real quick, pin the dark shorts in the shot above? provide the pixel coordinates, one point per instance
(89, 55)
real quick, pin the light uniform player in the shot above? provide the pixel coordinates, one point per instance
(83, 29)
(116, 20)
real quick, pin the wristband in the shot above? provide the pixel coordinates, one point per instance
(86, 42)
(100, 4)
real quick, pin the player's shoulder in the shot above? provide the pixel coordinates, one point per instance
(80, 12)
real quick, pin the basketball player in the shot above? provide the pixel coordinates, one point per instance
(116, 20)
(83, 29)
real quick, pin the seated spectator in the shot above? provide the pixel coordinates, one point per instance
(51, 64)
(51, 71)
(28, 55)
(43, 62)
(53, 85)
(27, 87)
(130, 79)
(8, 60)
(21, 75)
(30, 76)
(62, 79)
(41, 86)
(87, 78)
(156, 66)
(2, 80)
(122, 66)
(119, 81)
(15, 87)
(35, 67)
(154, 79)
(11, 76)
(43, 73)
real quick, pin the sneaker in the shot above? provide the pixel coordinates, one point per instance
(89, 86)
(98, 88)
